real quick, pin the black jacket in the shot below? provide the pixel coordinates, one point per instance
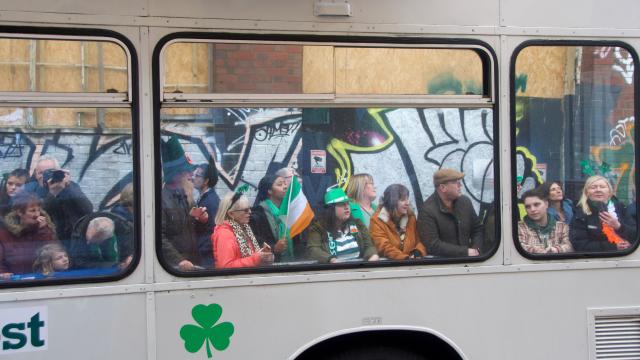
(586, 230)
(80, 252)
(66, 209)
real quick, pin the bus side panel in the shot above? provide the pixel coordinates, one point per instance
(90, 327)
(518, 315)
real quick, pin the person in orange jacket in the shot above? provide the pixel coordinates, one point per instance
(393, 226)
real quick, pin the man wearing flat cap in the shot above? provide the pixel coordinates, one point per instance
(448, 224)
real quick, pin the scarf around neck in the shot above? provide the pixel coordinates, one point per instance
(244, 234)
(278, 225)
(541, 230)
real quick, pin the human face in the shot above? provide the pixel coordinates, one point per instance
(60, 261)
(42, 167)
(14, 184)
(452, 189)
(343, 212)
(555, 192)
(278, 189)
(599, 191)
(402, 208)
(199, 179)
(240, 212)
(29, 217)
(536, 209)
(370, 190)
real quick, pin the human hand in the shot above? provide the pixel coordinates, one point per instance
(199, 214)
(125, 263)
(42, 222)
(186, 265)
(280, 246)
(333, 260)
(623, 245)
(374, 257)
(473, 252)
(609, 219)
(6, 276)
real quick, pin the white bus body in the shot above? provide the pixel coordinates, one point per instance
(506, 307)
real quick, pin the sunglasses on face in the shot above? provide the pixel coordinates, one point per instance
(245, 210)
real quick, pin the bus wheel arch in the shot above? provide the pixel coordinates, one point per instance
(382, 343)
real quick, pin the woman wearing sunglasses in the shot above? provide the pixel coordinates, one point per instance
(234, 245)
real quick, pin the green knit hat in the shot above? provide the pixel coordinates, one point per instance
(335, 195)
(174, 160)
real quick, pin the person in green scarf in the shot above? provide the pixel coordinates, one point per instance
(266, 223)
(538, 232)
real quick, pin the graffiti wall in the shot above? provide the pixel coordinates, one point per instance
(405, 145)
(100, 164)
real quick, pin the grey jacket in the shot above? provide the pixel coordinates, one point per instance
(449, 234)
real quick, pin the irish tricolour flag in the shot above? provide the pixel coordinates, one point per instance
(295, 210)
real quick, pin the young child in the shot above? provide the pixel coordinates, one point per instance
(51, 258)
(9, 187)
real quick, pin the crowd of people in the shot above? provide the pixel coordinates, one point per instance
(598, 222)
(48, 226)
(357, 226)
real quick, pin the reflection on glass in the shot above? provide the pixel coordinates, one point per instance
(574, 123)
(62, 66)
(312, 69)
(66, 197)
(259, 150)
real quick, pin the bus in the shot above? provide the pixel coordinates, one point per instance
(118, 119)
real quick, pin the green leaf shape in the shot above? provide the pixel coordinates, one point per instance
(193, 336)
(220, 335)
(206, 315)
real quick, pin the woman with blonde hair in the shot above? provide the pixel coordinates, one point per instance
(597, 224)
(362, 192)
(234, 244)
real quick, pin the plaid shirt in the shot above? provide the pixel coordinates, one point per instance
(556, 242)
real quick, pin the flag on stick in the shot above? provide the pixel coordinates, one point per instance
(295, 208)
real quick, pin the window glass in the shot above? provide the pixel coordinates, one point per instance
(62, 66)
(324, 146)
(66, 187)
(575, 151)
(311, 69)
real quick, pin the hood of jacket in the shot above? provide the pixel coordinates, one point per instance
(12, 223)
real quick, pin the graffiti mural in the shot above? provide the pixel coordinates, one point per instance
(395, 145)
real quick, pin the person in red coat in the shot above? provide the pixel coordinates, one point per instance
(234, 245)
(22, 232)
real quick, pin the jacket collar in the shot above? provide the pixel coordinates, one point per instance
(386, 217)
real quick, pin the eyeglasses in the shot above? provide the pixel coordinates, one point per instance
(245, 210)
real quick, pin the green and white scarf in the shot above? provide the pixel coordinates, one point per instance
(278, 227)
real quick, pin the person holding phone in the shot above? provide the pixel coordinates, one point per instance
(598, 223)
(234, 244)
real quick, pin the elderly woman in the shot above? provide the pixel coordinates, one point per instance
(234, 244)
(539, 232)
(25, 229)
(362, 191)
(337, 236)
(393, 226)
(597, 224)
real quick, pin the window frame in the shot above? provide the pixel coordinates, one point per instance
(85, 100)
(489, 99)
(512, 132)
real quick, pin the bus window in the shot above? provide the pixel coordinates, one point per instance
(573, 118)
(243, 68)
(366, 176)
(67, 197)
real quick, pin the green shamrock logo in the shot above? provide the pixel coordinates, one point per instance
(208, 332)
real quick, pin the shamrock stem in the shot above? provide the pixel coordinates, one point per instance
(208, 349)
